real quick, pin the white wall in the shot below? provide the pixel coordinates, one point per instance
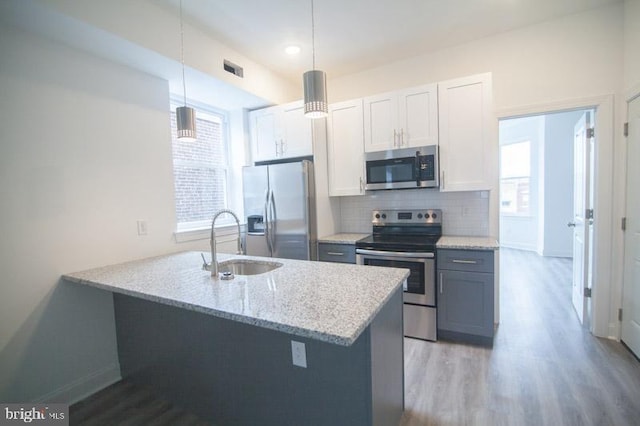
(85, 153)
(132, 29)
(631, 42)
(537, 64)
(521, 232)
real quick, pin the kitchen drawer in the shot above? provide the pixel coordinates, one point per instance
(465, 260)
(342, 253)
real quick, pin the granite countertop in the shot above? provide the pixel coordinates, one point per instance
(468, 243)
(330, 302)
(344, 238)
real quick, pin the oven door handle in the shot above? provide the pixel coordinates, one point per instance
(395, 254)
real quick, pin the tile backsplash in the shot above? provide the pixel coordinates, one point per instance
(463, 213)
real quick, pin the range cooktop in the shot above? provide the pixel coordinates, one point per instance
(404, 230)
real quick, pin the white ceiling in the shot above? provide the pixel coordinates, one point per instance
(354, 35)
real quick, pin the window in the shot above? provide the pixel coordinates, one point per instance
(200, 170)
(515, 176)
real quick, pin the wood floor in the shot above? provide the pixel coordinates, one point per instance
(125, 404)
(544, 368)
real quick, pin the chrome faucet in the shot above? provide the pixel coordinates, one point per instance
(214, 262)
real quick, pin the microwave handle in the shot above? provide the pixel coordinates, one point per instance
(417, 166)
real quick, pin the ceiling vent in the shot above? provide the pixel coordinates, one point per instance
(233, 68)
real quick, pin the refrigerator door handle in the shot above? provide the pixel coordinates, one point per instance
(272, 224)
(267, 231)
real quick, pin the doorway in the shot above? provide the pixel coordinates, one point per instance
(546, 190)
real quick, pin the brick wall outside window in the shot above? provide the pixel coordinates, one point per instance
(200, 171)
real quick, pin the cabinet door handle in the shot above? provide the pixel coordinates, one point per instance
(395, 138)
(466, 262)
(335, 253)
(361, 185)
(440, 282)
(277, 152)
(282, 145)
(443, 179)
(401, 137)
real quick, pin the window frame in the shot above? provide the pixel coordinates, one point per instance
(188, 231)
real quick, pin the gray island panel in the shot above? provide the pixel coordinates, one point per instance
(232, 373)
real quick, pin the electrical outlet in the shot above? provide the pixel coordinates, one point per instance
(142, 227)
(299, 354)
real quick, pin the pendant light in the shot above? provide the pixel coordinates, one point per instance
(315, 83)
(185, 116)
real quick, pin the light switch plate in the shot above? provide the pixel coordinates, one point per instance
(299, 354)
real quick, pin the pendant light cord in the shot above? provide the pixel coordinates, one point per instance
(313, 36)
(184, 84)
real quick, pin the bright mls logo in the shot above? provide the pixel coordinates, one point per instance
(40, 414)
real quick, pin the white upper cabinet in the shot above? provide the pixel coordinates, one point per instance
(380, 122)
(297, 135)
(281, 132)
(346, 148)
(418, 116)
(263, 133)
(465, 119)
(402, 119)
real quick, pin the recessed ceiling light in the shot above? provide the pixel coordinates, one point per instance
(292, 50)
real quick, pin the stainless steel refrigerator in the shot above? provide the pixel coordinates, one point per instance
(279, 202)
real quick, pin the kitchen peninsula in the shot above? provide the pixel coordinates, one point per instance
(223, 349)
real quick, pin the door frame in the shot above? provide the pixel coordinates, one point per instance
(604, 202)
(630, 95)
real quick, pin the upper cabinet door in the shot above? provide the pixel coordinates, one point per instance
(381, 122)
(346, 148)
(281, 131)
(297, 138)
(403, 119)
(418, 113)
(465, 110)
(264, 136)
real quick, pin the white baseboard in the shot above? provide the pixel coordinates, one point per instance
(517, 246)
(84, 386)
(613, 332)
(551, 253)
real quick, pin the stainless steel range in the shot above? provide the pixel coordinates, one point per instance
(407, 239)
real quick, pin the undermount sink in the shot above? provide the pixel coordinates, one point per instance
(247, 267)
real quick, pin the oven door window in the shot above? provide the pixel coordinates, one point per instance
(390, 171)
(415, 282)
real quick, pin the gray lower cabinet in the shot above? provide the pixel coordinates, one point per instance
(465, 295)
(341, 253)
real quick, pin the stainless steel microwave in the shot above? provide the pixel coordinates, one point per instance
(402, 168)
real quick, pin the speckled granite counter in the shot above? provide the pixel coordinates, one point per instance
(344, 238)
(468, 243)
(329, 302)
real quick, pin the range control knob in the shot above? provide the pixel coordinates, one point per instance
(384, 216)
(433, 215)
(377, 215)
(419, 215)
(426, 215)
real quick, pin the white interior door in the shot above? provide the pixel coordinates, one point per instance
(631, 288)
(581, 222)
